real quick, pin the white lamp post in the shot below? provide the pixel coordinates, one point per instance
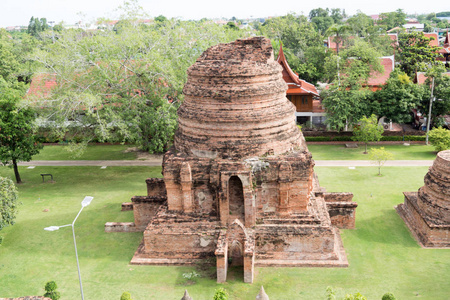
(86, 201)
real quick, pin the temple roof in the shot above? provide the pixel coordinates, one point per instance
(296, 85)
(375, 79)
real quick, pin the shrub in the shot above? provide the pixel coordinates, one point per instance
(221, 294)
(317, 138)
(388, 296)
(440, 138)
(356, 296)
(50, 290)
(126, 296)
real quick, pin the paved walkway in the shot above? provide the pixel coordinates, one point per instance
(157, 162)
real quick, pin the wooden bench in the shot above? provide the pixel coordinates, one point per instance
(43, 176)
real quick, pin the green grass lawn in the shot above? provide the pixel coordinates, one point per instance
(383, 255)
(400, 152)
(93, 152)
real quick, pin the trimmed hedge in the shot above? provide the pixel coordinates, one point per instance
(408, 138)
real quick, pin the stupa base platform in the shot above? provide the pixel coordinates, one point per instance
(426, 232)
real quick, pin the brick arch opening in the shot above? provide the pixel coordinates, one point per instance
(236, 199)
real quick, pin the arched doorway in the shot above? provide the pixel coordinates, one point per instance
(236, 199)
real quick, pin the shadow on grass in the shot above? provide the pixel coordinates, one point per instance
(386, 228)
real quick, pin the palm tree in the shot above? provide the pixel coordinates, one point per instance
(338, 31)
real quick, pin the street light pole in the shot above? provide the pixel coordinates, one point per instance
(429, 110)
(86, 201)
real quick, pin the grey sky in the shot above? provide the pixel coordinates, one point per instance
(19, 12)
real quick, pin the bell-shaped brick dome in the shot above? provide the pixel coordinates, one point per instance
(235, 104)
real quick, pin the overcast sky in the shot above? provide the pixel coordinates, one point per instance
(19, 12)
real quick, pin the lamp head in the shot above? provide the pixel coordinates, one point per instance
(86, 201)
(51, 228)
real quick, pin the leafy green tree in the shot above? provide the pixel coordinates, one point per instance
(338, 15)
(338, 32)
(360, 23)
(414, 52)
(50, 291)
(125, 85)
(397, 97)
(36, 26)
(345, 106)
(441, 93)
(8, 202)
(17, 139)
(322, 23)
(221, 294)
(302, 45)
(319, 12)
(367, 131)
(440, 138)
(379, 156)
(392, 19)
(161, 19)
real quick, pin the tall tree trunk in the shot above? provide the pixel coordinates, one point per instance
(16, 171)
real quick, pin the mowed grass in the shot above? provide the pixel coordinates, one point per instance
(383, 255)
(92, 152)
(400, 152)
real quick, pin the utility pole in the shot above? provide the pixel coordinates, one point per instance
(429, 111)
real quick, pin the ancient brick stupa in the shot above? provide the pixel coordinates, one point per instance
(239, 183)
(427, 212)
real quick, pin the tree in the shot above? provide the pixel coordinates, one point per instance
(17, 139)
(360, 23)
(339, 34)
(161, 19)
(322, 23)
(414, 52)
(392, 19)
(397, 97)
(220, 294)
(123, 86)
(441, 93)
(50, 291)
(36, 26)
(440, 138)
(347, 100)
(367, 131)
(8, 202)
(302, 45)
(379, 156)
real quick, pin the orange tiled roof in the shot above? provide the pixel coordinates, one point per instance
(421, 77)
(434, 41)
(377, 79)
(41, 84)
(296, 85)
(446, 48)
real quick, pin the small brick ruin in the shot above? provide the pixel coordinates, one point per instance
(427, 212)
(239, 183)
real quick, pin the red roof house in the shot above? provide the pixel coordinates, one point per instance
(301, 93)
(376, 80)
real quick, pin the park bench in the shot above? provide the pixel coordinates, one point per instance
(43, 176)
